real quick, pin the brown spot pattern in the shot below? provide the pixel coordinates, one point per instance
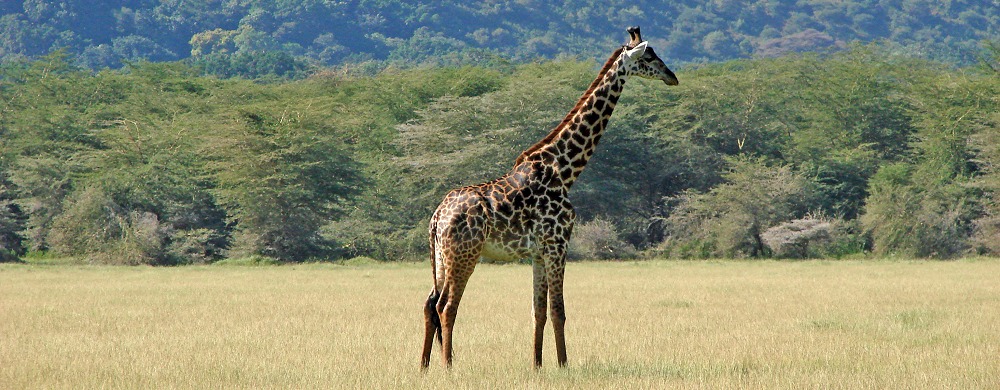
(526, 213)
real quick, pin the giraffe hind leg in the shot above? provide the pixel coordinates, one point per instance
(459, 234)
(447, 308)
(452, 289)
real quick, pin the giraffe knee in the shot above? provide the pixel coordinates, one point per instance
(558, 315)
(539, 315)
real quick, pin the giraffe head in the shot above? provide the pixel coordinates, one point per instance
(639, 59)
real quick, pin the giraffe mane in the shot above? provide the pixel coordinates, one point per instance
(576, 109)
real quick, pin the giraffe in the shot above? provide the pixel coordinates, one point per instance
(526, 214)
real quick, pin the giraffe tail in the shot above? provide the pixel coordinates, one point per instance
(433, 317)
(431, 307)
(433, 327)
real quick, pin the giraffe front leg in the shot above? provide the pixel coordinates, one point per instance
(558, 314)
(555, 268)
(539, 308)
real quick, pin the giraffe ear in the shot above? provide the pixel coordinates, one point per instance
(635, 53)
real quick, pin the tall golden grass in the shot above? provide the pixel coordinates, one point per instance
(728, 324)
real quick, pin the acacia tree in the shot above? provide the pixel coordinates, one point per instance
(931, 205)
(851, 115)
(11, 223)
(729, 219)
(280, 178)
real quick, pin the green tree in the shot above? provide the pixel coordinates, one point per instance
(464, 140)
(926, 206)
(280, 180)
(907, 219)
(11, 223)
(729, 220)
(850, 115)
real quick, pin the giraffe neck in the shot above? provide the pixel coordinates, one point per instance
(571, 144)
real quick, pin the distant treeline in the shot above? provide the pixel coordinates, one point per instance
(843, 154)
(254, 37)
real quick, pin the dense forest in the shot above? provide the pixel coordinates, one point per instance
(843, 154)
(180, 132)
(254, 37)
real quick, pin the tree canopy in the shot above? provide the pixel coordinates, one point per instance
(156, 163)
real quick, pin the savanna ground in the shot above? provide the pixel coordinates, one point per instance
(678, 324)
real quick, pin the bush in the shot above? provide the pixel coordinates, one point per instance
(906, 218)
(987, 236)
(95, 227)
(249, 261)
(846, 238)
(598, 239)
(195, 246)
(140, 241)
(359, 261)
(792, 239)
(729, 220)
(11, 225)
(354, 237)
(6, 256)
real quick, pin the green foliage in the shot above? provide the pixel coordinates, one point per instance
(11, 223)
(282, 179)
(730, 219)
(252, 65)
(929, 206)
(598, 239)
(157, 164)
(95, 227)
(907, 219)
(986, 144)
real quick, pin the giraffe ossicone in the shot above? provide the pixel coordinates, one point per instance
(526, 214)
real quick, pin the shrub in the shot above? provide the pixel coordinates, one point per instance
(987, 236)
(792, 239)
(359, 261)
(195, 246)
(140, 241)
(6, 256)
(728, 221)
(911, 219)
(11, 225)
(598, 239)
(95, 227)
(846, 238)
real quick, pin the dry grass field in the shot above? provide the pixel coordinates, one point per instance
(657, 324)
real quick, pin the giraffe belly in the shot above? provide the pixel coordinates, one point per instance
(499, 251)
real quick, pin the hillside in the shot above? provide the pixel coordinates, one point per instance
(221, 34)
